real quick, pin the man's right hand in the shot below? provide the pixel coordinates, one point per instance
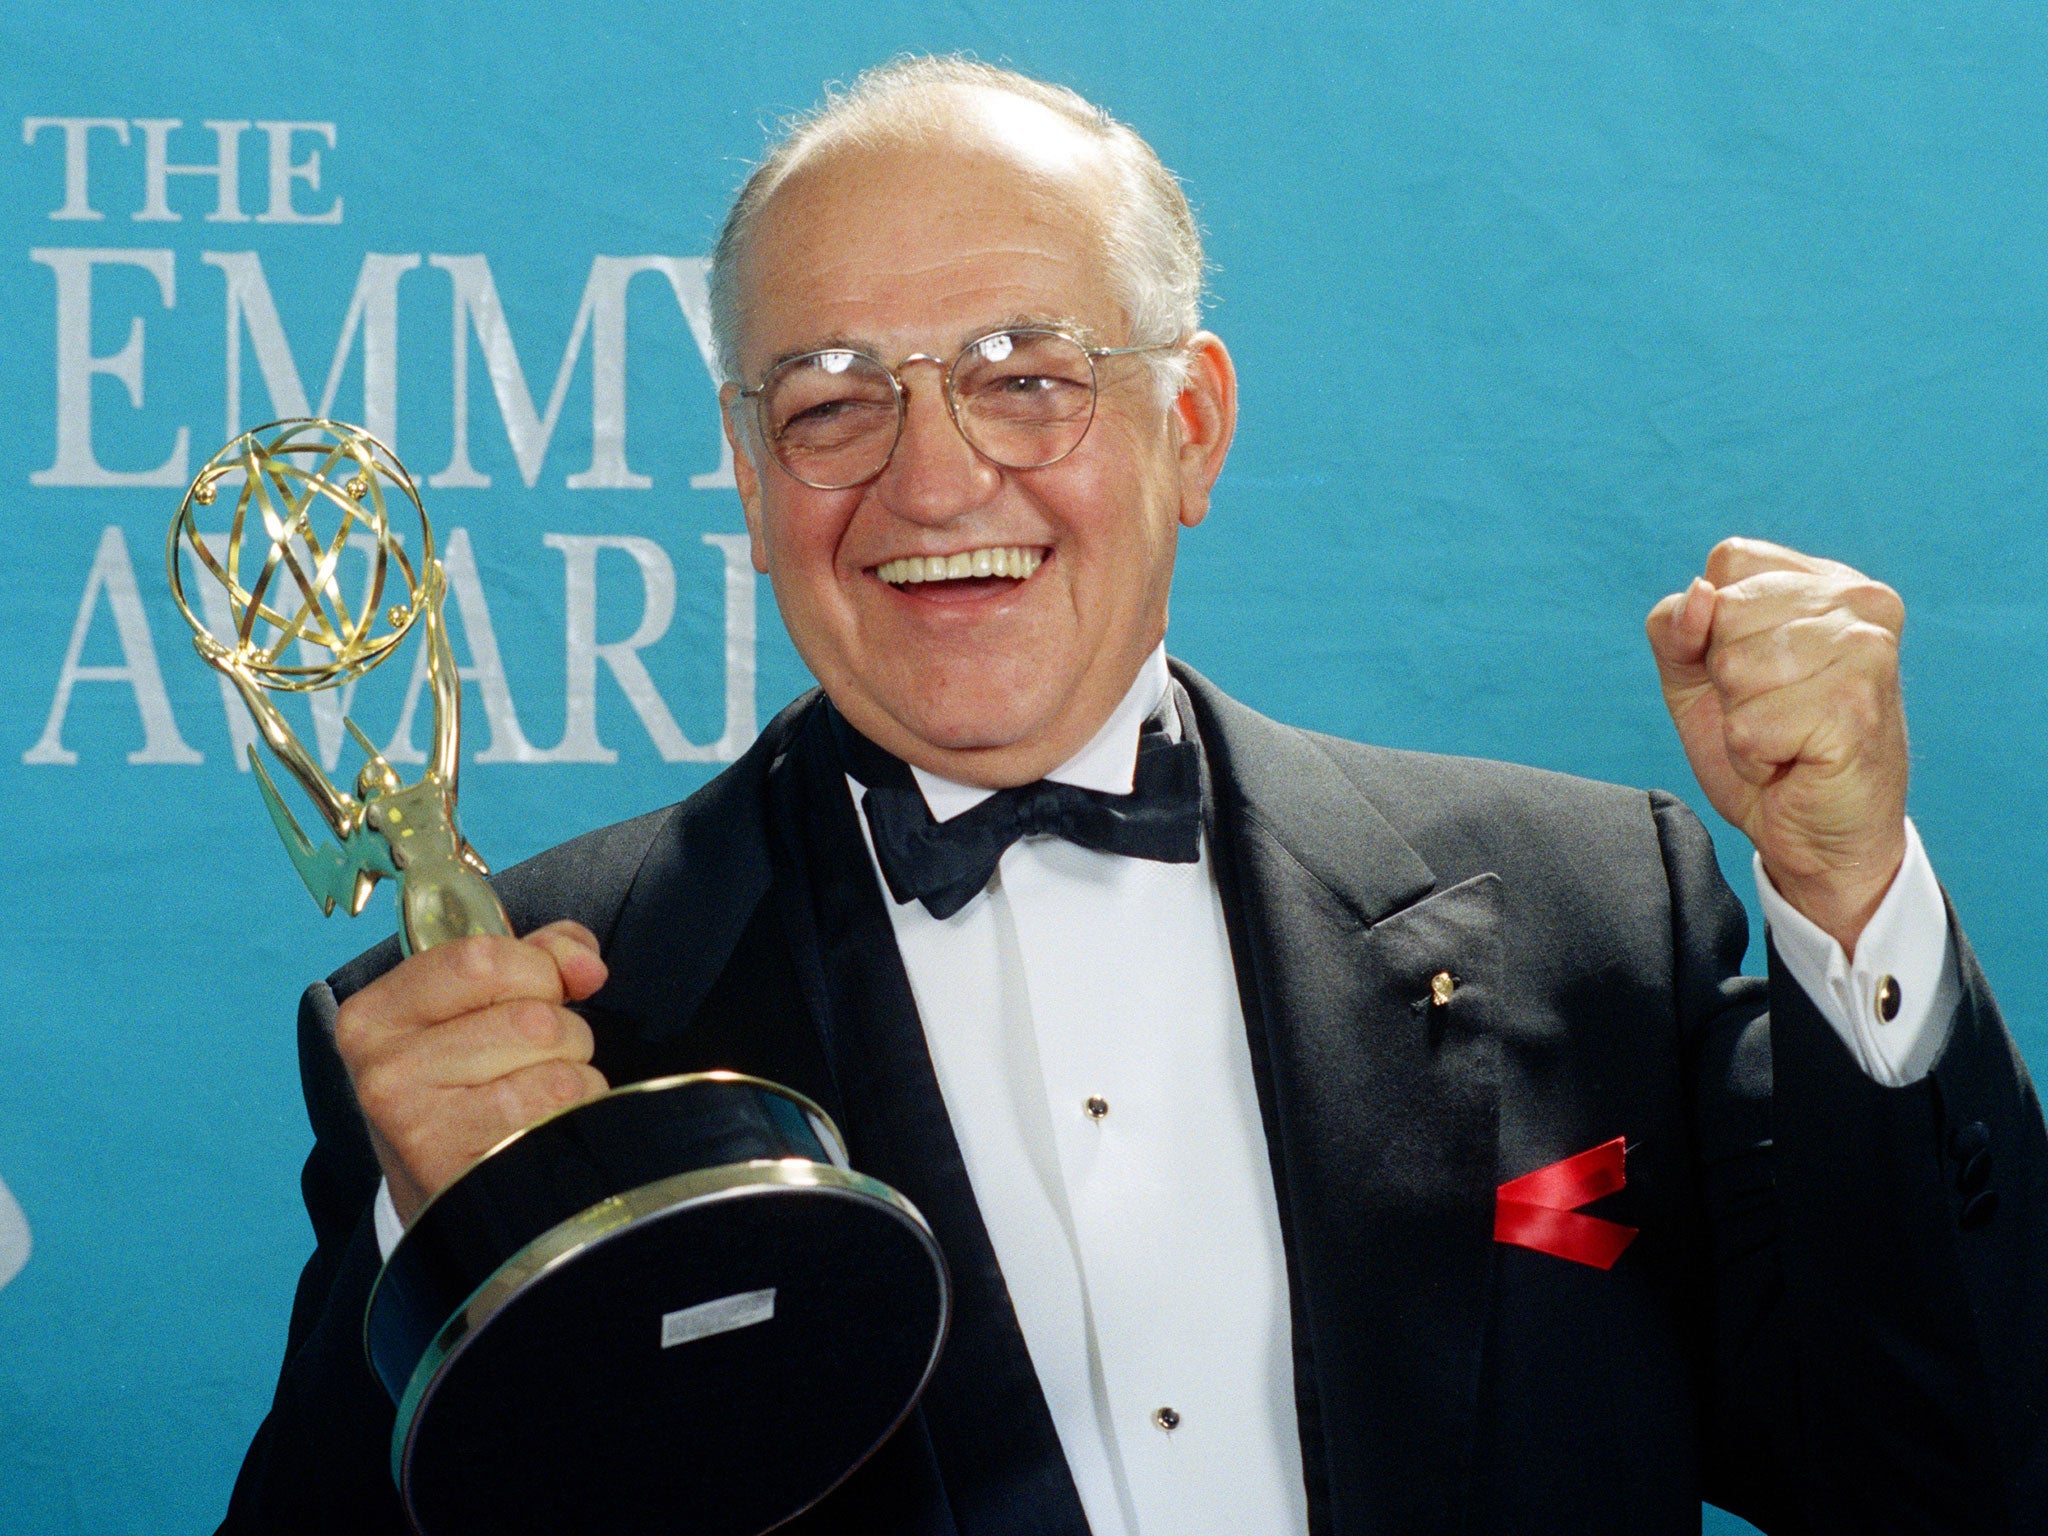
(458, 1046)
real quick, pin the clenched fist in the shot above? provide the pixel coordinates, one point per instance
(1782, 674)
(460, 1045)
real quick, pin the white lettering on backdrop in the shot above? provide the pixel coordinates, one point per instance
(14, 1237)
(249, 307)
(113, 574)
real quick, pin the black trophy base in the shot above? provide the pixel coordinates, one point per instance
(707, 1344)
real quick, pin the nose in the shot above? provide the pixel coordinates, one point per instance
(934, 476)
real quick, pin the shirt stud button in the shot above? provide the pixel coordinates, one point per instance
(1888, 998)
(1167, 1419)
(1096, 1106)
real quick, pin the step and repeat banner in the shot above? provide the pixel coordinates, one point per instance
(1532, 304)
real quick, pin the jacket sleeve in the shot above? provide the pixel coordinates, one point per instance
(1879, 1326)
(321, 1460)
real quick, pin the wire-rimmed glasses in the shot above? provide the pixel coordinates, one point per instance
(1022, 397)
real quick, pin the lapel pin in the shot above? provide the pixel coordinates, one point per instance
(1441, 986)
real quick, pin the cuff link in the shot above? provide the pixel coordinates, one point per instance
(1887, 999)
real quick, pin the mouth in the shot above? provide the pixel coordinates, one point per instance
(989, 569)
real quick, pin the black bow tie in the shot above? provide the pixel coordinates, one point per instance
(945, 864)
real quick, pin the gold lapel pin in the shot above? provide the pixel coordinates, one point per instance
(1441, 986)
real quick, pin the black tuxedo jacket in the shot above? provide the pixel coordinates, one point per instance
(1809, 1330)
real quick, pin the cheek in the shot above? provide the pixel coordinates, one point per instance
(1121, 510)
(802, 535)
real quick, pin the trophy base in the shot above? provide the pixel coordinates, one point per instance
(674, 1309)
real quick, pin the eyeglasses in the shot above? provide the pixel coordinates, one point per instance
(1023, 399)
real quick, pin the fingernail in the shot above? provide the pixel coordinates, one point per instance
(1694, 596)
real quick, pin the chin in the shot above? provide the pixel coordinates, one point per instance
(969, 729)
(990, 703)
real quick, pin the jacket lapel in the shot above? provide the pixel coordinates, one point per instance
(990, 1435)
(692, 899)
(1382, 1110)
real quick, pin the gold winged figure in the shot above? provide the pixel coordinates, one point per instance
(292, 604)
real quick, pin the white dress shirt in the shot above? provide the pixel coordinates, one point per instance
(1903, 952)
(1083, 1021)
(1139, 1235)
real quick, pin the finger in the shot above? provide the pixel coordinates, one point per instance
(445, 1134)
(1831, 719)
(531, 1094)
(1788, 654)
(477, 1048)
(1679, 628)
(443, 983)
(1772, 598)
(1736, 559)
(576, 957)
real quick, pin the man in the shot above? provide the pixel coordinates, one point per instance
(1211, 1123)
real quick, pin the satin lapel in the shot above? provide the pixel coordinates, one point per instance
(992, 1436)
(1383, 1105)
(698, 887)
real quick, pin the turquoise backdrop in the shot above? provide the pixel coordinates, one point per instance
(1533, 300)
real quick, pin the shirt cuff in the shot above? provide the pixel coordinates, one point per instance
(389, 1228)
(1892, 1004)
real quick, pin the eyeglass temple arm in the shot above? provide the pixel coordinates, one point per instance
(1150, 346)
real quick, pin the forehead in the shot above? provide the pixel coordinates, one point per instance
(912, 243)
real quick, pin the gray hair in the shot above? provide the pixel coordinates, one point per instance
(1153, 247)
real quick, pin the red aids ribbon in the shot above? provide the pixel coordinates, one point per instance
(1540, 1210)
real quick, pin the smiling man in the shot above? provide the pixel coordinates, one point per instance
(1250, 1080)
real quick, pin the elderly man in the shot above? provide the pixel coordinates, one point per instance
(1211, 1106)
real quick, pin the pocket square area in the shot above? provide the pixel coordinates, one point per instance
(1540, 1210)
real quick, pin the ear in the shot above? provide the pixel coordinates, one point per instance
(1206, 409)
(745, 472)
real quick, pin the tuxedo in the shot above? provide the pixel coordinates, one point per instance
(1823, 1323)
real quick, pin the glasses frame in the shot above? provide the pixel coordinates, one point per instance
(757, 395)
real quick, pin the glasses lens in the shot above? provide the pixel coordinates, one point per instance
(830, 418)
(1024, 398)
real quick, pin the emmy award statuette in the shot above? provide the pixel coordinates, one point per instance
(675, 1308)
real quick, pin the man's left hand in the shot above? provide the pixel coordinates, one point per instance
(1781, 672)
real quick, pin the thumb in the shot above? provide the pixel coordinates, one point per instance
(1679, 628)
(574, 950)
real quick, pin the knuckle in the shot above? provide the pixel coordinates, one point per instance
(380, 1092)
(515, 1100)
(415, 1143)
(561, 1082)
(1874, 651)
(1742, 736)
(537, 1023)
(1884, 605)
(535, 1092)
(1867, 705)
(578, 1041)
(1728, 668)
(351, 1031)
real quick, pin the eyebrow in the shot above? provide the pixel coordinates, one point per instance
(844, 341)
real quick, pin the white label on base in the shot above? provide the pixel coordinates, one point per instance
(720, 1316)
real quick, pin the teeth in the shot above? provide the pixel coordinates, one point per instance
(1011, 561)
